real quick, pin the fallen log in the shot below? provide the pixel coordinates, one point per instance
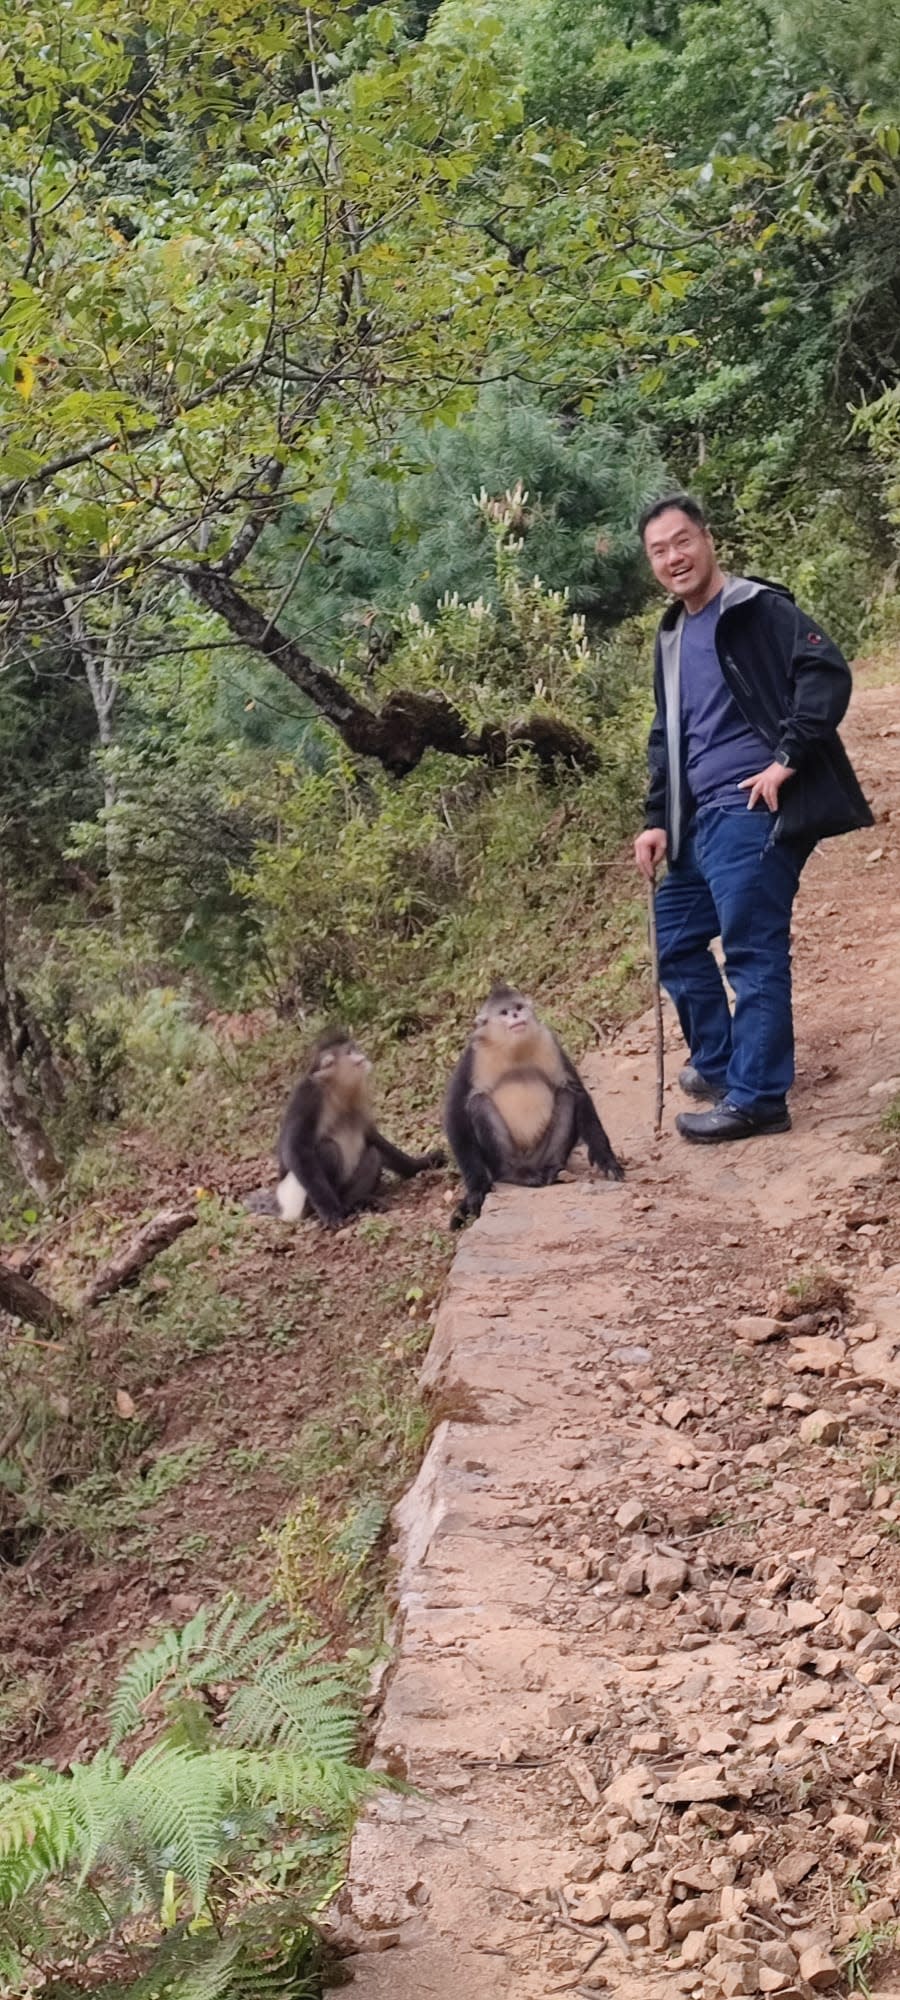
(26, 1301)
(122, 1269)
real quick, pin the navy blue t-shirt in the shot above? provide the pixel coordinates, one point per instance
(720, 747)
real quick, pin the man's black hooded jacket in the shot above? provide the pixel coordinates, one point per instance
(791, 684)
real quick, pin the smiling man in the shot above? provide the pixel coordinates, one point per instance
(747, 773)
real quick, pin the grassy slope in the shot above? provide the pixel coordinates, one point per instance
(272, 1372)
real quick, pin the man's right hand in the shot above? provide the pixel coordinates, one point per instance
(650, 850)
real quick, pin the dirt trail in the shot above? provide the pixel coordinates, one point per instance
(648, 1682)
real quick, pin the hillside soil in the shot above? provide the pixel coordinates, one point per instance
(647, 1689)
(268, 1372)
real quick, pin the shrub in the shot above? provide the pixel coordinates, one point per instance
(372, 881)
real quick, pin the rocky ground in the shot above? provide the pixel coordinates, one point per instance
(647, 1689)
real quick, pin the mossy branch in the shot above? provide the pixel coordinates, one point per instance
(409, 722)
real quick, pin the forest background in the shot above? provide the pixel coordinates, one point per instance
(340, 347)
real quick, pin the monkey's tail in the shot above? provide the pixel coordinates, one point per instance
(291, 1199)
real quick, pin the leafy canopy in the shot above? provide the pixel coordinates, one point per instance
(237, 250)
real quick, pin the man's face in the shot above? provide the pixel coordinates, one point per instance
(681, 554)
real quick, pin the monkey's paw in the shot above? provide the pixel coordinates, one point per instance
(467, 1210)
(435, 1158)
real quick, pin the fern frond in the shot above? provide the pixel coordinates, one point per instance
(302, 1786)
(39, 1834)
(270, 1968)
(267, 1955)
(167, 1660)
(174, 1802)
(232, 1646)
(186, 1967)
(237, 1645)
(209, 1795)
(94, 1792)
(297, 1703)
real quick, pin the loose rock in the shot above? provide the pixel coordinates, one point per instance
(695, 1947)
(874, 1362)
(664, 1577)
(817, 1355)
(852, 1625)
(801, 1615)
(849, 1829)
(622, 1852)
(693, 1915)
(757, 1329)
(821, 1427)
(583, 1778)
(819, 1969)
(630, 1580)
(779, 1958)
(740, 1979)
(695, 1785)
(793, 1868)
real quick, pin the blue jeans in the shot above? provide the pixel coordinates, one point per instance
(733, 880)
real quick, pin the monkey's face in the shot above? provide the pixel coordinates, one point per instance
(343, 1071)
(507, 1020)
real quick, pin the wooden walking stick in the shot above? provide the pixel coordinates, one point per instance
(657, 1006)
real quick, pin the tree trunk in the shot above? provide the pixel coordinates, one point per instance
(110, 829)
(31, 1040)
(398, 734)
(26, 1301)
(34, 1153)
(102, 659)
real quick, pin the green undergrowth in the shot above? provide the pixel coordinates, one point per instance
(890, 1118)
(108, 1510)
(186, 1856)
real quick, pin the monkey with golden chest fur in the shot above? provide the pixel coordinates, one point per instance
(516, 1105)
(330, 1151)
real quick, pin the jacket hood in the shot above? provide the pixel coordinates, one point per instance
(737, 590)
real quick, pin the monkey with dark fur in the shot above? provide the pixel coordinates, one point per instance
(330, 1151)
(516, 1105)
